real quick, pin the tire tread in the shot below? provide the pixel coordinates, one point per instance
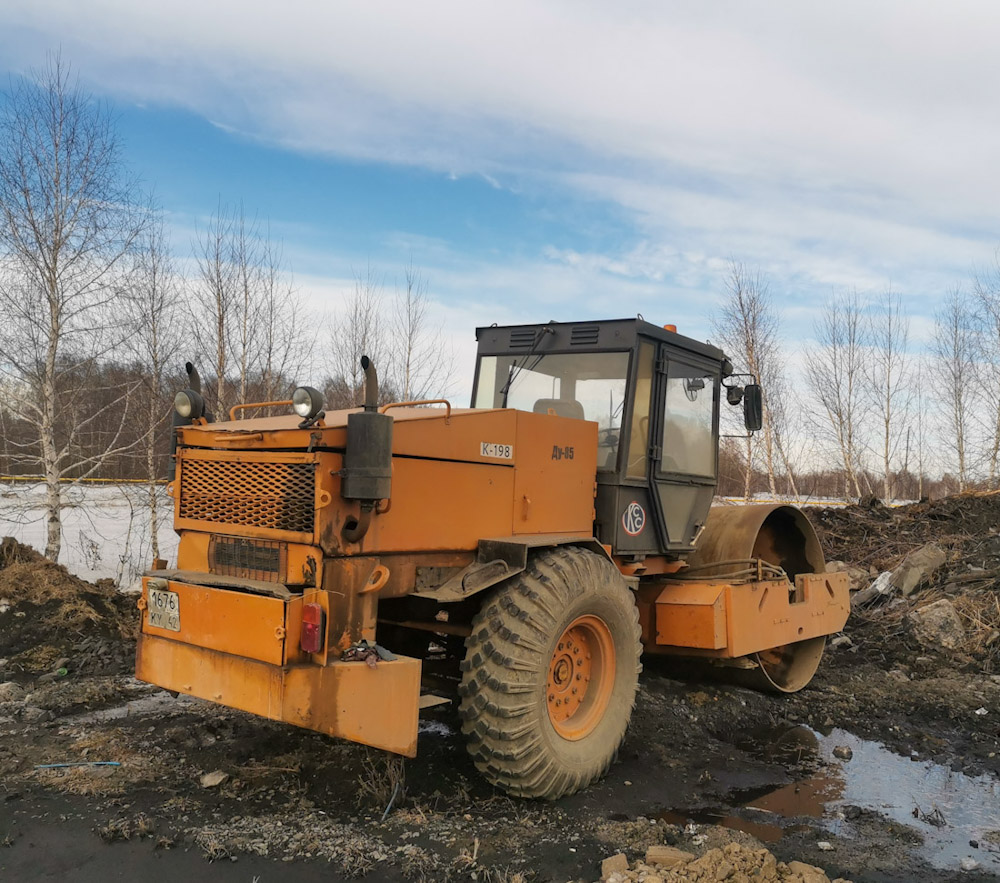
(506, 656)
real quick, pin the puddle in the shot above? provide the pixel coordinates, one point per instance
(766, 832)
(951, 808)
(946, 808)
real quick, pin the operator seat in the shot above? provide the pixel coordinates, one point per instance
(559, 407)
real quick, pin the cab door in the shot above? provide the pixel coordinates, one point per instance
(684, 449)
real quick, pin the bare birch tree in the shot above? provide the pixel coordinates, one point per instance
(422, 365)
(836, 378)
(213, 300)
(285, 337)
(986, 312)
(359, 329)
(954, 349)
(245, 311)
(888, 379)
(152, 310)
(413, 360)
(69, 215)
(747, 327)
(921, 428)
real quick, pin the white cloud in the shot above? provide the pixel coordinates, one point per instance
(846, 145)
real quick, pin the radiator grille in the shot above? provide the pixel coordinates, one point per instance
(250, 559)
(270, 496)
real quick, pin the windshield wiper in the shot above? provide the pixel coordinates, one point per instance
(515, 368)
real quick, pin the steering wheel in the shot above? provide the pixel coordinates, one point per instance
(608, 438)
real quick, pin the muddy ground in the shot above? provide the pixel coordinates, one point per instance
(885, 768)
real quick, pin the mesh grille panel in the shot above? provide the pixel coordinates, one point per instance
(256, 559)
(271, 496)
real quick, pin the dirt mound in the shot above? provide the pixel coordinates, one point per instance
(49, 616)
(877, 538)
(731, 862)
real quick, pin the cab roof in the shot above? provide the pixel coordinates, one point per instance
(605, 335)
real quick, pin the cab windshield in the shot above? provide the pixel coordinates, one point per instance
(588, 386)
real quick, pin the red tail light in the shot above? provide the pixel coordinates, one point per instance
(311, 640)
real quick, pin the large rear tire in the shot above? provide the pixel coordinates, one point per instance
(550, 675)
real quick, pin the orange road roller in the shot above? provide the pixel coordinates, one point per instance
(546, 538)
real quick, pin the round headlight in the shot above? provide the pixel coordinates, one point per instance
(307, 402)
(189, 404)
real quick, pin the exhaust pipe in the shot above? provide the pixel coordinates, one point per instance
(367, 473)
(371, 384)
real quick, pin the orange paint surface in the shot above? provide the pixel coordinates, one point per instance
(375, 706)
(725, 620)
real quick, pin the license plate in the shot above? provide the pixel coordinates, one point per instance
(164, 610)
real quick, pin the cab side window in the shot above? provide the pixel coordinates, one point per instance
(688, 411)
(638, 445)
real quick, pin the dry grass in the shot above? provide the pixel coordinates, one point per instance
(382, 777)
(181, 804)
(136, 767)
(38, 658)
(282, 763)
(116, 829)
(467, 866)
(84, 781)
(980, 613)
(211, 846)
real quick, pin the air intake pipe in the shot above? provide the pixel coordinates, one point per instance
(367, 472)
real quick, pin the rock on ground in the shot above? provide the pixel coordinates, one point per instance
(938, 625)
(857, 576)
(917, 568)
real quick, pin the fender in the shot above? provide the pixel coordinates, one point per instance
(500, 558)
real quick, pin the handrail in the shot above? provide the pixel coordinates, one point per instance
(444, 402)
(235, 408)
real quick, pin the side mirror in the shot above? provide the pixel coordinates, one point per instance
(753, 407)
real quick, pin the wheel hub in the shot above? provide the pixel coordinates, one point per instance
(581, 677)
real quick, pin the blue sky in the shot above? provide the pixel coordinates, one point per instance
(562, 160)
